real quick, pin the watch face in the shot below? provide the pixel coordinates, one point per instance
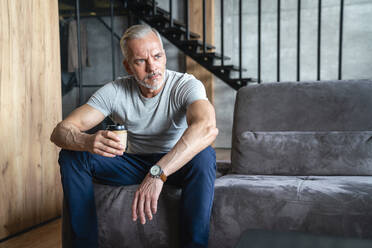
(155, 170)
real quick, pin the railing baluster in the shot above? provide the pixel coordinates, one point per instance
(222, 34)
(240, 39)
(340, 40)
(80, 76)
(112, 38)
(130, 19)
(298, 38)
(204, 28)
(187, 19)
(319, 37)
(278, 44)
(153, 7)
(259, 42)
(170, 13)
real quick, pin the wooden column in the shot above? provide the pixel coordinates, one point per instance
(30, 106)
(196, 25)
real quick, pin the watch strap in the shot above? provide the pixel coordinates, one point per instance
(163, 177)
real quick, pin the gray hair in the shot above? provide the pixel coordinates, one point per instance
(136, 32)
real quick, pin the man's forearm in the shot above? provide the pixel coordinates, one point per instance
(68, 136)
(196, 137)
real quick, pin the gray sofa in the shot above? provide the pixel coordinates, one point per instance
(301, 161)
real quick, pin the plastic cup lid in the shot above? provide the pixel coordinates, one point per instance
(115, 127)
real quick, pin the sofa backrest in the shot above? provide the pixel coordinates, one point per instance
(305, 128)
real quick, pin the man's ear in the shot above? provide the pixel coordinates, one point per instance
(127, 67)
(165, 56)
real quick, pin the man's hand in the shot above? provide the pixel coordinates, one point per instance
(105, 143)
(146, 198)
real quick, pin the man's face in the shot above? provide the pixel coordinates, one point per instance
(146, 62)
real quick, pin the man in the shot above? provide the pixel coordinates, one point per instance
(171, 125)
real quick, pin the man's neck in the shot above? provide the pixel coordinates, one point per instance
(149, 93)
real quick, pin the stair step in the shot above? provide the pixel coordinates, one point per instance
(227, 68)
(178, 27)
(243, 81)
(179, 31)
(191, 44)
(210, 55)
(156, 19)
(237, 83)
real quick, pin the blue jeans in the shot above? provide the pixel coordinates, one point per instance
(196, 179)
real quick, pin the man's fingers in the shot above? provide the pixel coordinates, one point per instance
(140, 206)
(154, 205)
(147, 208)
(113, 144)
(111, 135)
(145, 202)
(106, 146)
(134, 206)
(103, 153)
(109, 149)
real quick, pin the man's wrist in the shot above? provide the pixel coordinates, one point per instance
(157, 172)
(85, 141)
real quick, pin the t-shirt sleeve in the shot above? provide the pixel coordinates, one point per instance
(104, 99)
(190, 91)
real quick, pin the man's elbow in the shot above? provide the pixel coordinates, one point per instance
(211, 132)
(54, 134)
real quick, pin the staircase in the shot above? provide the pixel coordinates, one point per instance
(196, 48)
(188, 42)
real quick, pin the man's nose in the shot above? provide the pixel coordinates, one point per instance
(150, 66)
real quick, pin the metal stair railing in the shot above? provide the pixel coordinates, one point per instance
(180, 35)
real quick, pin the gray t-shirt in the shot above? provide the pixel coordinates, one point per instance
(154, 124)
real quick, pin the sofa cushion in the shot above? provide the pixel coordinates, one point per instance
(303, 153)
(304, 106)
(333, 205)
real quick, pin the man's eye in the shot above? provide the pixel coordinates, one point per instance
(158, 56)
(139, 61)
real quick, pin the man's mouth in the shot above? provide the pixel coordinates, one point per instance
(154, 76)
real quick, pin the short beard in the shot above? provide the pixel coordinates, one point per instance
(148, 86)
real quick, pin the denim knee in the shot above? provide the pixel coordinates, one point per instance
(74, 160)
(64, 155)
(204, 161)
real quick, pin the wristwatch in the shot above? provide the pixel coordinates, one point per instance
(157, 172)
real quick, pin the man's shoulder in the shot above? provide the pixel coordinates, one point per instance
(124, 83)
(180, 79)
(121, 85)
(186, 88)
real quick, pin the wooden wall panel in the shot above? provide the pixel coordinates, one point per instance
(196, 25)
(30, 106)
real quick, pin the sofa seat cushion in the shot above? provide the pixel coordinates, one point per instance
(334, 205)
(304, 107)
(303, 153)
